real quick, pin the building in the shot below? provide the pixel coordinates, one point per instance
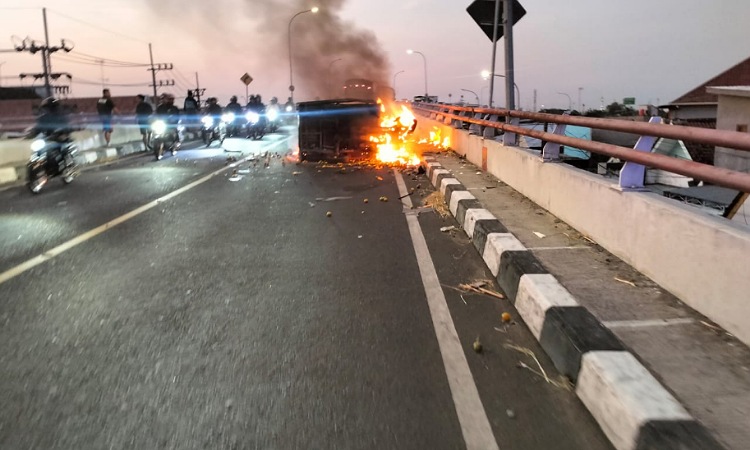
(733, 114)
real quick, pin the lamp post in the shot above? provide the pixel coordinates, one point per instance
(486, 74)
(289, 39)
(580, 105)
(570, 101)
(330, 73)
(424, 59)
(481, 91)
(394, 82)
(475, 94)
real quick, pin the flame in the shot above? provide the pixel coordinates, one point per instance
(437, 140)
(394, 146)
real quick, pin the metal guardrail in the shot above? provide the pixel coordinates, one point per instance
(638, 158)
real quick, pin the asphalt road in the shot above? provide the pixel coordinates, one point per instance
(239, 315)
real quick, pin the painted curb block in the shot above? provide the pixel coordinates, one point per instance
(633, 409)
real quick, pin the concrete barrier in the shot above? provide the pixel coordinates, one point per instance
(697, 257)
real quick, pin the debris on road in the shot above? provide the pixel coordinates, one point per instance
(539, 235)
(329, 214)
(332, 199)
(510, 413)
(446, 229)
(243, 171)
(505, 317)
(366, 200)
(478, 287)
(312, 205)
(296, 173)
(625, 281)
(477, 345)
(436, 201)
(383, 199)
(563, 384)
(379, 178)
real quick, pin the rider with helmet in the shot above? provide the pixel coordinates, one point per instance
(233, 125)
(51, 119)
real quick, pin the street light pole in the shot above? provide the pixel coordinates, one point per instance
(486, 74)
(580, 105)
(570, 101)
(289, 40)
(330, 73)
(475, 94)
(424, 59)
(394, 83)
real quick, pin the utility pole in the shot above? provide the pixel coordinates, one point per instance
(534, 100)
(198, 90)
(155, 68)
(28, 45)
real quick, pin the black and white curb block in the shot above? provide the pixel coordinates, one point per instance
(633, 409)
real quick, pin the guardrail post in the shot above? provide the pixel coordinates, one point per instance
(459, 124)
(551, 150)
(509, 138)
(632, 175)
(490, 132)
(475, 128)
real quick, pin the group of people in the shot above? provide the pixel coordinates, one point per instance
(52, 114)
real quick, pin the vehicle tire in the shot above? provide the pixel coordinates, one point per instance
(71, 170)
(37, 178)
(205, 136)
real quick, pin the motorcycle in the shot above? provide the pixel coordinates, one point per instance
(213, 129)
(164, 138)
(256, 125)
(53, 155)
(232, 124)
(273, 118)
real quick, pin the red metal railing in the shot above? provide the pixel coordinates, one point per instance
(708, 173)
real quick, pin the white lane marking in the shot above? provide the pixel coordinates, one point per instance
(49, 254)
(647, 323)
(472, 417)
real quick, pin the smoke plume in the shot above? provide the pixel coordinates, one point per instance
(326, 50)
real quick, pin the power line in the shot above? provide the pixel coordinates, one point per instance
(109, 60)
(96, 26)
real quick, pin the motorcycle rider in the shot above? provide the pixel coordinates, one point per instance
(213, 108)
(51, 119)
(170, 114)
(236, 109)
(273, 113)
(191, 109)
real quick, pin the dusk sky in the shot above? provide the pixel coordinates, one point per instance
(652, 50)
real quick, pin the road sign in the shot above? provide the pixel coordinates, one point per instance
(483, 13)
(628, 101)
(247, 79)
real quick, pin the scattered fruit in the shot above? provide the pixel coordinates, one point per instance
(329, 214)
(477, 346)
(506, 317)
(367, 201)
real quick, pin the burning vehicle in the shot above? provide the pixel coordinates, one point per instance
(356, 129)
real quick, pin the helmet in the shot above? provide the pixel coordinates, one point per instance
(50, 102)
(274, 100)
(233, 99)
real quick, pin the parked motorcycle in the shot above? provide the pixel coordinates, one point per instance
(214, 129)
(53, 155)
(256, 125)
(164, 138)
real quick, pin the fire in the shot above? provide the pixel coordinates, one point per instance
(437, 140)
(394, 146)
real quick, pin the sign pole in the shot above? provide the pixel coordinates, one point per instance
(508, 35)
(494, 49)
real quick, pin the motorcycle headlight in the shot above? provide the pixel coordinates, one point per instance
(207, 121)
(252, 117)
(159, 126)
(272, 114)
(228, 117)
(289, 108)
(37, 145)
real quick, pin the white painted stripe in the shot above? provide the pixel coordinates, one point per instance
(435, 174)
(111, 152)
(471, 217)
(622, 396)
(458, 196)
(647, 323)
(445, 182)
(46, 256)
(497, 243)
(536, 294)
(472, 417)
(90, 157)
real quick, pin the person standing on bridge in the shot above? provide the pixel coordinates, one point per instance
(143, 111)
(106, 107)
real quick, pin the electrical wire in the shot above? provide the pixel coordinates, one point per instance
(96, 26)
